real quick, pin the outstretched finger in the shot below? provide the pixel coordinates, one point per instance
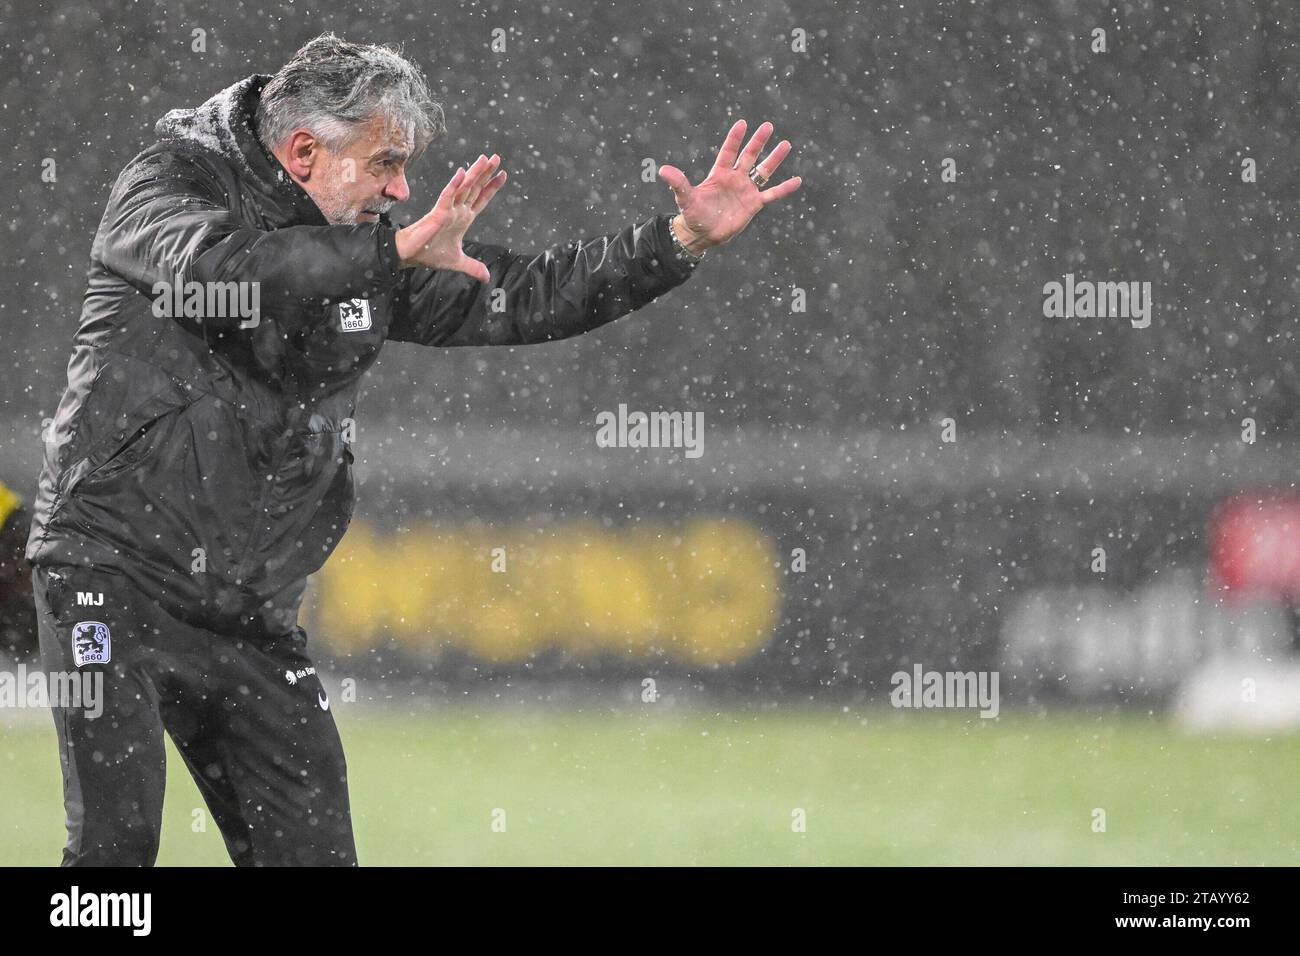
(730, 147)
(780, 191)
(481, 180)
(448, 194)
(768, 166)
(677, 182)
(749, 155)
(490, 190)
(474, 268)
(470, 182)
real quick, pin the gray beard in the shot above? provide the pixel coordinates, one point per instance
(341, 216)
(338, 213)
(347, 219)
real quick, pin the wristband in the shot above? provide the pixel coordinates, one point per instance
(682, 253)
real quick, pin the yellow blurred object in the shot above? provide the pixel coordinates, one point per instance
(9, 503)
(705, 592)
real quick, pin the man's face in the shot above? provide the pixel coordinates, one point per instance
(366, 178)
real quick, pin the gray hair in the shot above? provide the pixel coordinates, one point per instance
(335, 89)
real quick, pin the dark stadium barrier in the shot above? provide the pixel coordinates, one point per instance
(793, 580)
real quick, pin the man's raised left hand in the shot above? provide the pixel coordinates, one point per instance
(719, 208)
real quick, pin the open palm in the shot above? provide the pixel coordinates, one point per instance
(434, 241)
(720, 207)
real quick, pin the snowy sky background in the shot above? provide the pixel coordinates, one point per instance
(924, 297)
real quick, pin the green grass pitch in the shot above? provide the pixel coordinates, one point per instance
(627, 787)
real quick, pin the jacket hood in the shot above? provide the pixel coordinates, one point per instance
(223, 125)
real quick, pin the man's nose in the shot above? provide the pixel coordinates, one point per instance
(397, 188)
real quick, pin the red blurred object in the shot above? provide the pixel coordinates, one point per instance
(1255, 547)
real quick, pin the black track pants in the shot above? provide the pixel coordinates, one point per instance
(249, 717)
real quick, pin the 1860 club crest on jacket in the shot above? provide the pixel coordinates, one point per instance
(354, 315)
(91, 643)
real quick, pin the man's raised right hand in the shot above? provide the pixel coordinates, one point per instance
(434, 241)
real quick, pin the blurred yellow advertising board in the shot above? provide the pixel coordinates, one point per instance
(702, 592)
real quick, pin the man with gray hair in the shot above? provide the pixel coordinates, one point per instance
(243, 278)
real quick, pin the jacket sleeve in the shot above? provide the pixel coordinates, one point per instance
(168, 216)
(565, 291)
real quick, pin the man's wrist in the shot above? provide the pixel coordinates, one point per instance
(687, 239)
(407, 246)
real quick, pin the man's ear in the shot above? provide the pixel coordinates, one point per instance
(302, 154)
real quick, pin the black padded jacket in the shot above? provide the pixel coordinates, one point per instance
(205, 456)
